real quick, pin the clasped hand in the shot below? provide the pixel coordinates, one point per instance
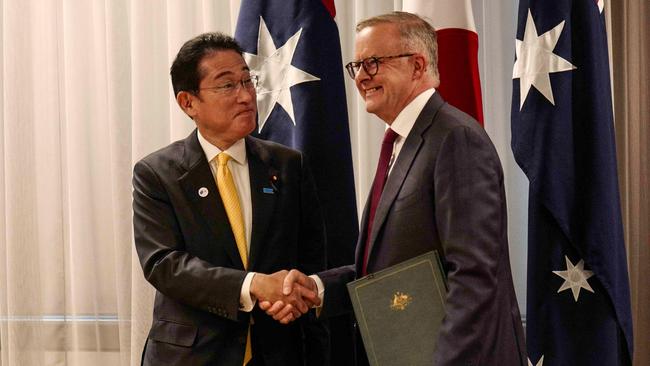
(285, 295)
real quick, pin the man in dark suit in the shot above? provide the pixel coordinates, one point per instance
(218, 218)
(444, 191)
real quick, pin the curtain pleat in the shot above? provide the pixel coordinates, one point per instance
(631, 65)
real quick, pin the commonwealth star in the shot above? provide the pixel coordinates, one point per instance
(535, 60)
(276, 73)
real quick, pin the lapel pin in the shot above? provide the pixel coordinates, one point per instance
(267, 190)
(273, 180)
(203, 192)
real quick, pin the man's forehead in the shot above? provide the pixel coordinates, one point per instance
(384, 31)
(222, 63)
(377, 40)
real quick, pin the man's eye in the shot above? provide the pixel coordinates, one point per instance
(227, 86)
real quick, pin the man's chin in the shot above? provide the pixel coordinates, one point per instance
(252, 124)
(372, 108)
(246, 119)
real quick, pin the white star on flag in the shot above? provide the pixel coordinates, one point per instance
(275, 72)
(535, 60)
(539, 363)
(575, 278)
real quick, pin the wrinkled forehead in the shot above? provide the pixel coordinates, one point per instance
(377, 40)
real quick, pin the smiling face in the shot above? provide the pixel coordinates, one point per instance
(396, 83)
(221, 119)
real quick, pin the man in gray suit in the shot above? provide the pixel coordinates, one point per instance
(444, 191)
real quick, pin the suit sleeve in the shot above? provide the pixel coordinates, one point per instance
(469, 212)
(337, 299)
(165, 264)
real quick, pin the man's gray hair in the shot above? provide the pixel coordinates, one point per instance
(415, 31)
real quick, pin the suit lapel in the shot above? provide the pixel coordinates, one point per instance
(263, 195)
(403, 164)
(199, 177)
(363, 234)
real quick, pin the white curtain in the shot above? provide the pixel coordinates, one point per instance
(85, 94)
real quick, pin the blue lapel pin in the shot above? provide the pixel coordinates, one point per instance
(267, 190)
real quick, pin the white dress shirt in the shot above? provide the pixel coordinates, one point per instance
(238, 166)
(403, 124)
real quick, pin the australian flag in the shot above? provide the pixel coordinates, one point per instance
(578, 302)
(294, 48)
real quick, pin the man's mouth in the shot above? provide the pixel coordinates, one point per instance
(245, 111)
(372, 90)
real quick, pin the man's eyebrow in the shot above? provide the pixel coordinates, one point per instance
(228, 72)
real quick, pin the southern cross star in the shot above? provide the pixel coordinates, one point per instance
(275, 72)
(540, 362)
(575, 278)
(535, 60)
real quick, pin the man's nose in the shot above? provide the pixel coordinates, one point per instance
(362, 75)
(244, 94)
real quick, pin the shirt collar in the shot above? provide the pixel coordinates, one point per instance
(405, 120)
(237, 151)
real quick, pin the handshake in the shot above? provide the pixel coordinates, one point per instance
(285, 295)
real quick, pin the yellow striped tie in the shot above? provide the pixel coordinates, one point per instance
(230, 199)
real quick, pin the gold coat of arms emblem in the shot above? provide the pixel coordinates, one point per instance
(400, 301)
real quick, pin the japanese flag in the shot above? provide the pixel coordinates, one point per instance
(453, 20)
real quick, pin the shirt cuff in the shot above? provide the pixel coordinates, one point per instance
(246, 300)
(321, 288)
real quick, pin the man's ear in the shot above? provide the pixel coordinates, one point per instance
(186, 101)
(420, 64)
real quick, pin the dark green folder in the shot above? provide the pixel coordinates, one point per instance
(399, 311)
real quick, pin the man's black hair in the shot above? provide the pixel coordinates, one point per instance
(184, 71)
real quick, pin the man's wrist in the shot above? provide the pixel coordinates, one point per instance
(321, 288)
(246, 298)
